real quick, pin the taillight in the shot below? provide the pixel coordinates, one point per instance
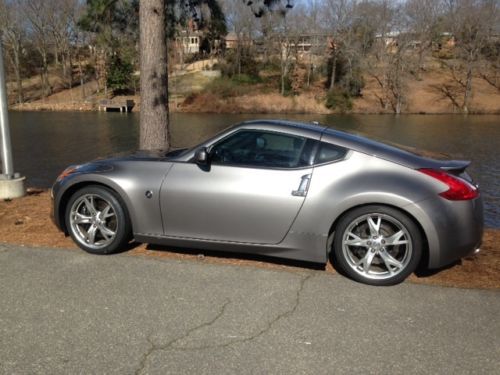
(458, 189)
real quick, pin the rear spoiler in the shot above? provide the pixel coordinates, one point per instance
(457, 166)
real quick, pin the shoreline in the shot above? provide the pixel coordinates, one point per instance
(84, 107)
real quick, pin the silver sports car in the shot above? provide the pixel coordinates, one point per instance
(282, 189)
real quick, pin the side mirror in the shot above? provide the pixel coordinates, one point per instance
(201, 156)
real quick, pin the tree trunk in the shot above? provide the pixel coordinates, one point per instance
(468, 86)
(284, 71)
(154, 121)
(238, 54)
(332, 75)
(19, 82)
(80, 71)
(20, 96)
(398, 104)
(46, 89)
(420, 66)
(70, 71)
(97, 73)
(309, 68)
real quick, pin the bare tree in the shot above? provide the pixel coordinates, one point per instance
(390, 60)
(13, 34)
(275, 29)
(338, 16)
(63, 28)
(490, 72)
(472, 23)
(154, 122)
(242, 25)
(423, 17)
(285, 46)
(38, 13)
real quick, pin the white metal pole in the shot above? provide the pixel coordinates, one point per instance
(6, 149)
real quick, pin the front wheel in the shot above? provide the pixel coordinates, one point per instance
(97, 220)
(377, 245)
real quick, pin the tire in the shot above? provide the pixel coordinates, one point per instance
(97, 220)
(377, 245)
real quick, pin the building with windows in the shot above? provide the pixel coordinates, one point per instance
(188, 42)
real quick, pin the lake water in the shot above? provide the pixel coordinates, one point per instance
(45, 143)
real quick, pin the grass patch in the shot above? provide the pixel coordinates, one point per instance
(225, 87)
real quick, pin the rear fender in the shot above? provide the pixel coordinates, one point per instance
(359, 180)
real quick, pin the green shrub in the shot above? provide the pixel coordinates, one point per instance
(338, 99)
(246, 79)
(119, 77)
(288, 89)
(246, 66)
(354, 84)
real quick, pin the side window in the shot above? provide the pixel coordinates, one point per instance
(263, 149)
(328, 152)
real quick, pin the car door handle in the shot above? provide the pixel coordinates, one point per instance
(303, 186)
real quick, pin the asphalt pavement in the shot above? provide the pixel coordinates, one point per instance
(67, 312)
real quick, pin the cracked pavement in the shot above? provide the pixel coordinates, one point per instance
(70, 312)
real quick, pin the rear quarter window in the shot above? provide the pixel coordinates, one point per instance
(328, 153)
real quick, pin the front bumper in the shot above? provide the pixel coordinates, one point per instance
(54, 206)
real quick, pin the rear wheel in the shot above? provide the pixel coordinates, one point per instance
(377, 245)
(97, 220)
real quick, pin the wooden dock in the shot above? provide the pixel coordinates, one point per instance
(121, 105)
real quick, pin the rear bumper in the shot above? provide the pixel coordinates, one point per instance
(453, 229)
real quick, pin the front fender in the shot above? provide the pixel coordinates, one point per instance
(130, 181)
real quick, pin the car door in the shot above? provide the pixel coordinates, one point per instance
(251, 192)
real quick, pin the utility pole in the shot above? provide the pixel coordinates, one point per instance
(11, 184)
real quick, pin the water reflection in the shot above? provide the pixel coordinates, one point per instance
(46, 142)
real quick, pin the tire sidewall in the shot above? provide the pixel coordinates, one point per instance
(123, 229)
(405, 220)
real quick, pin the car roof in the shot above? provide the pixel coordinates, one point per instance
(313, 126)
(349, 141)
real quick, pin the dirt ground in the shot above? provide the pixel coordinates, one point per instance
(425, 96)
(26, 221)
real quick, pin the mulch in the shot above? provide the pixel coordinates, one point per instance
(26, 221)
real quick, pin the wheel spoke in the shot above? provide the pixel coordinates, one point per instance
(354, 240)
(366, 261)
(374, 226)
(89, 203)
(106, 232)
(79, 218)
(107, 212)
(395, 239)
(390, 262)
(91, 234)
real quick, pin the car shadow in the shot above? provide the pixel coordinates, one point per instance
(230, 257)
(238, 257)
(129, 247)
(423, 272)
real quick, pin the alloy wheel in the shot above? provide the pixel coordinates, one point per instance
(93, 221)
(377, 246)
